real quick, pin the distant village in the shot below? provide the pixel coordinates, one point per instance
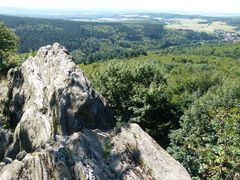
(228, 36)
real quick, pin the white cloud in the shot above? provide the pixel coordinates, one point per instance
(230, 6)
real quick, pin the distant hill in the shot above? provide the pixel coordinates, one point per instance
(92, 41)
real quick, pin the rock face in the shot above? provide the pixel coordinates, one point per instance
(49, 95)
(5, 140)
(5, 135)
(62, 128)
(3, 97)
(135, 155)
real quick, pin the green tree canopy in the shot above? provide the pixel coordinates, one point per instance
(8, 45)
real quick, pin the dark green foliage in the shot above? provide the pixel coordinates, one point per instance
(137, 94)
(231, 50)
(105, 54)
(90, 41)
(193, 98)
(153, 93)
(209, 139)
(8, 46)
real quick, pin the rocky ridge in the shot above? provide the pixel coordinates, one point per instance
(63, 129)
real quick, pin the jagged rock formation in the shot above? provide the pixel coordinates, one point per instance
(3, 96)
(48, 95)
(60, 125)
(5, 135)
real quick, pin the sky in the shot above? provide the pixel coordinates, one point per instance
(218, 6)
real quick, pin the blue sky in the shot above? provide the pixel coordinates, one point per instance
(219, 6)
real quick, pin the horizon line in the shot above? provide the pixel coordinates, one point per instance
(154, 11)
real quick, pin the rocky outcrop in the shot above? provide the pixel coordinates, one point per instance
(62, 128)
(135, 155)
(5, 135)
(5, 140)
(127, 152)
(3, 98)
(49, 95)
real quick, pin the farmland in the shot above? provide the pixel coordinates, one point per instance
(202, 25)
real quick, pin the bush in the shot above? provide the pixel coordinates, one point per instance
(8, 47)
(209, 138)
(136, 92)
(194, 99)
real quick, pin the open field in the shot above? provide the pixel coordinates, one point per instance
(200, 25)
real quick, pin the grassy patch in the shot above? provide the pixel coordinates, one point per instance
(200, 25)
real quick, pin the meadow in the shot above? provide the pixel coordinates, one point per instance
(201, 25)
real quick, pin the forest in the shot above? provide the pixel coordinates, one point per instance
(185, 94)
(188, 102)
(90, 41)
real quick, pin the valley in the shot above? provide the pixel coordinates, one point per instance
(88, 91)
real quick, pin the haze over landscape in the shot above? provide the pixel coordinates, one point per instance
(188, 6)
